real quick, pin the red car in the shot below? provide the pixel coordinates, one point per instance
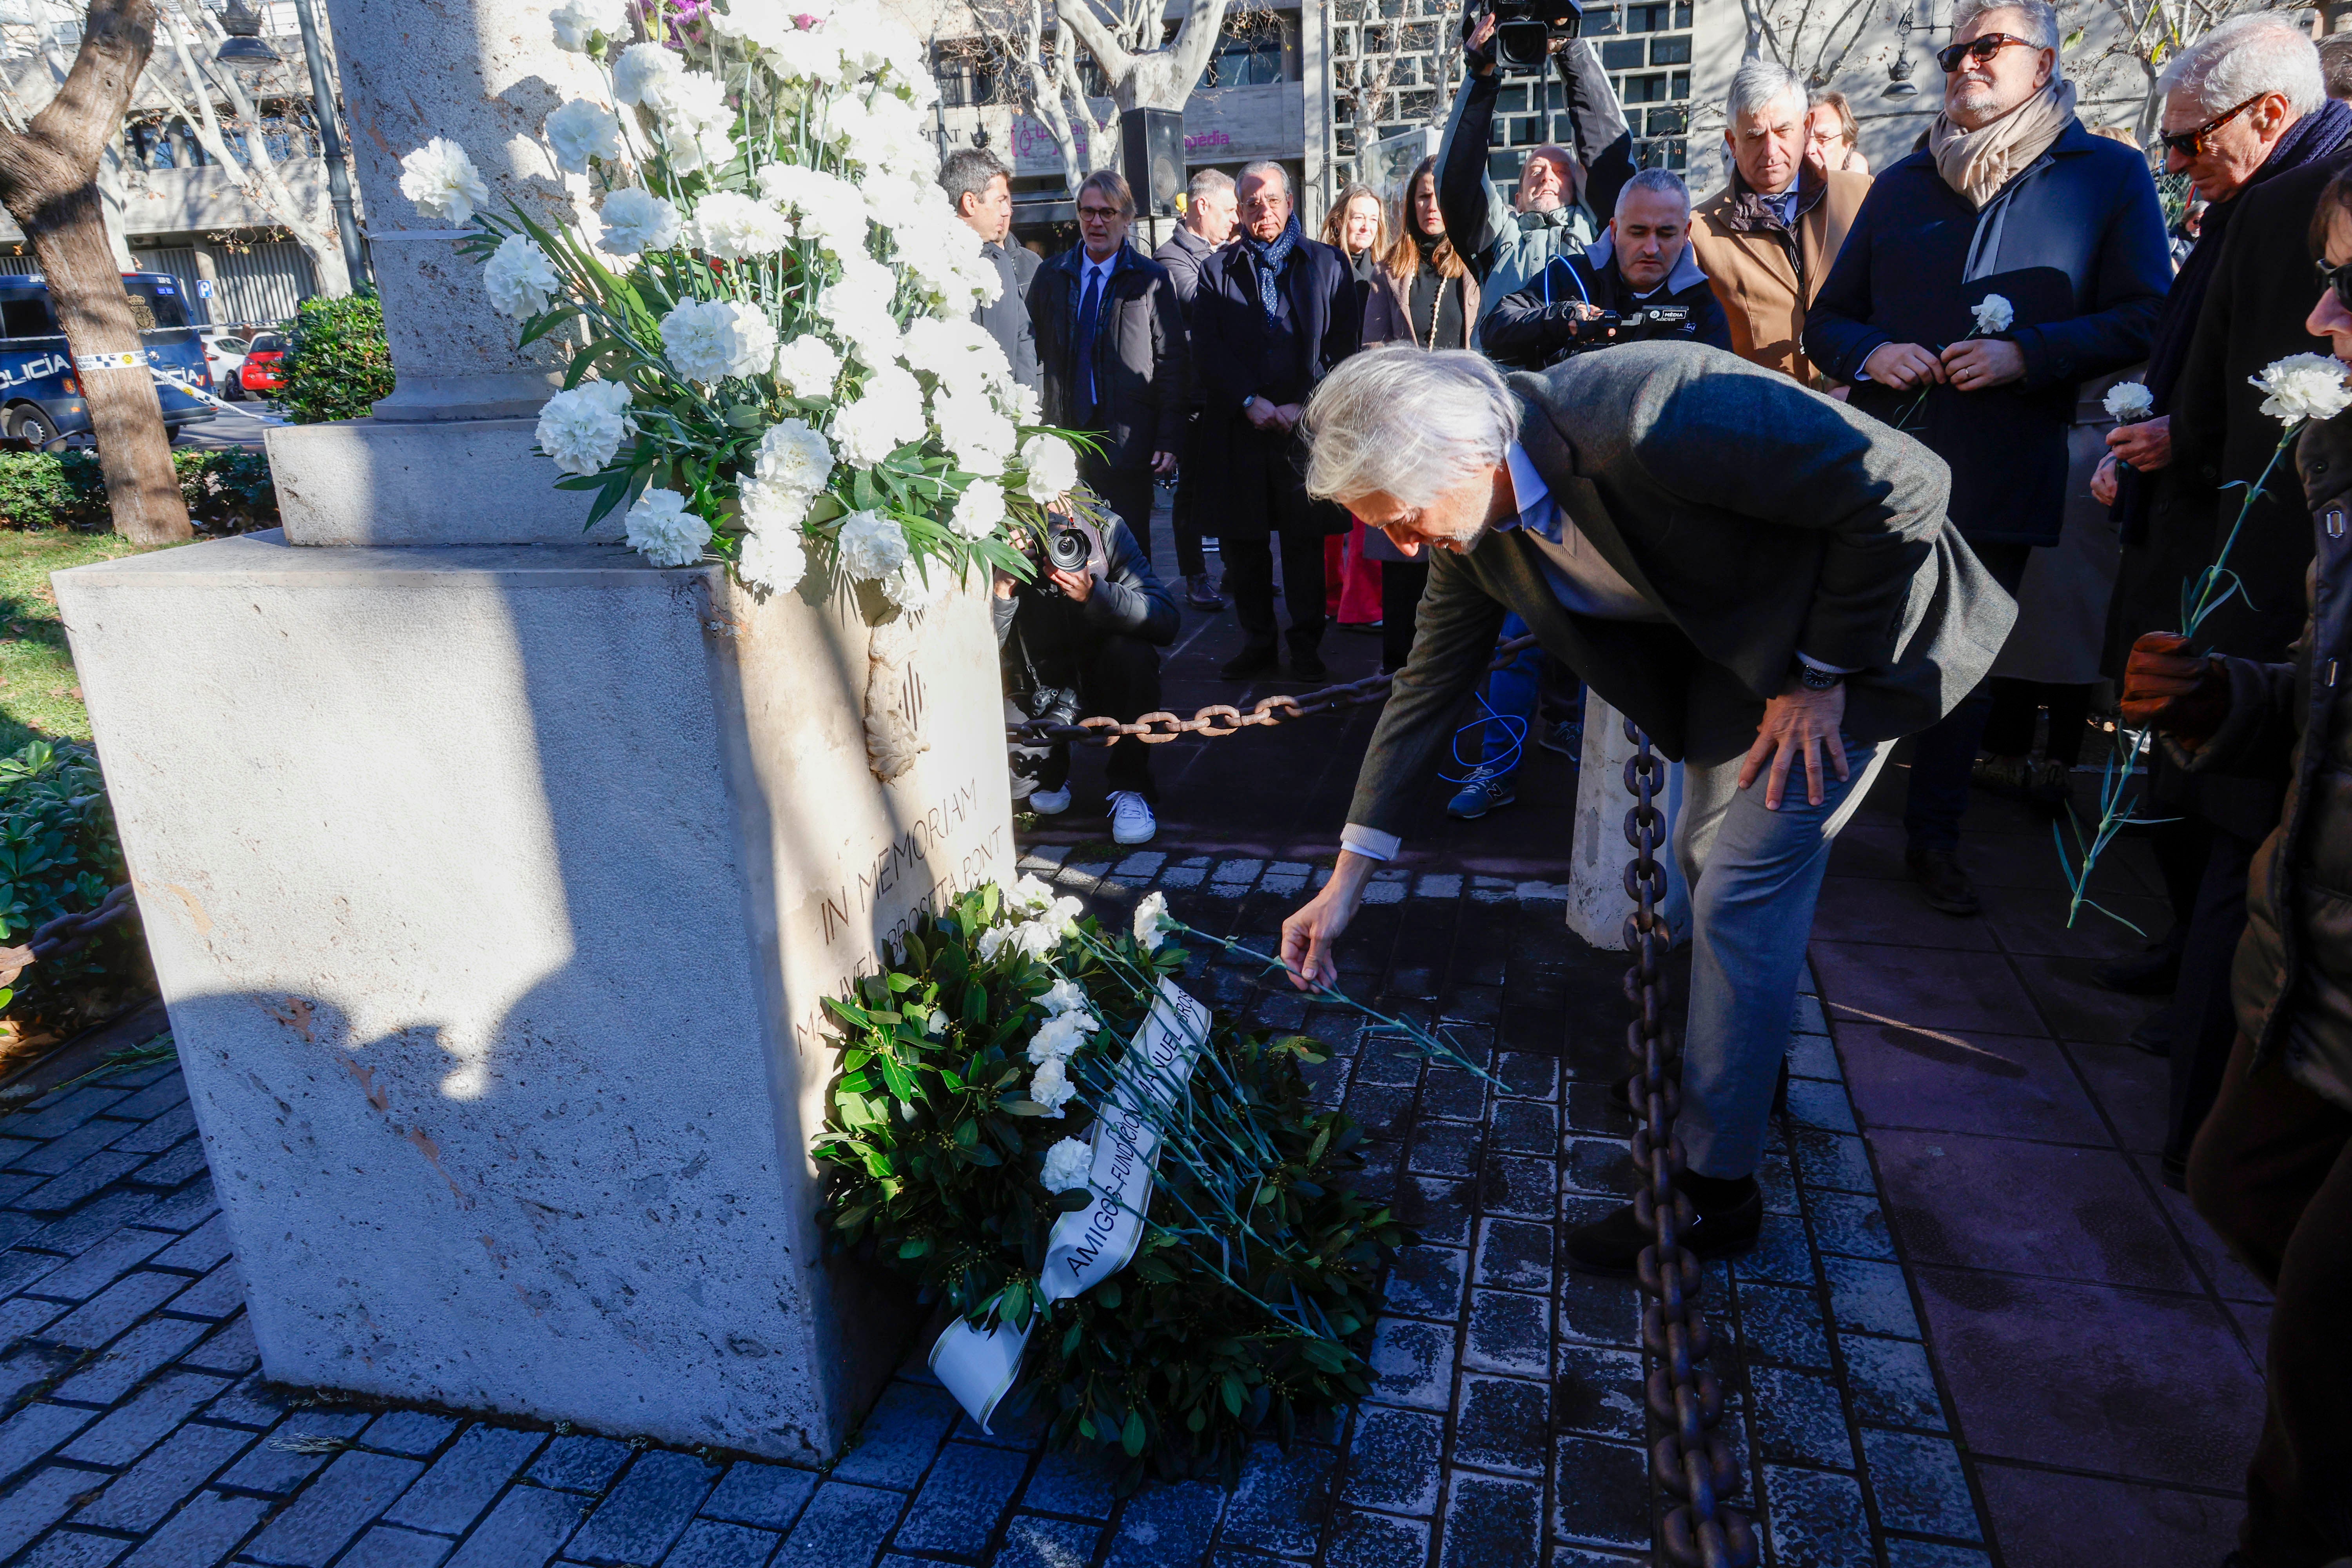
(259, 373)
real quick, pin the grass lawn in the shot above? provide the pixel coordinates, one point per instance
(40, 697)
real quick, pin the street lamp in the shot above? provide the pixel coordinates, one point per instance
(1899, 72)
(244, 51)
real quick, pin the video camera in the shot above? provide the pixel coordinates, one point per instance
(1525, 29)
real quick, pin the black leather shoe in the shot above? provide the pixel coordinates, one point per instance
(2152, 972)
(1941, 881)
(1306, 664)
(1612, 1243)
(1199, 594)
(1251, 664)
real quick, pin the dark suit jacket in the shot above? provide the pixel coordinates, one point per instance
(1007, 321)
(1140, 354)
(1827, 534)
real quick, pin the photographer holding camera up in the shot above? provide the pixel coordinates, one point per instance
(1083, 637)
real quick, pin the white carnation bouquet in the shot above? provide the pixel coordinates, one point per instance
(769, 304)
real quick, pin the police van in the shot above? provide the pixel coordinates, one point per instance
(40, 397)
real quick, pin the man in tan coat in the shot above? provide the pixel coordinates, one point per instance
(1767, 239)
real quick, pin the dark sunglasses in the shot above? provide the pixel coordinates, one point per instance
(2339, 279)
(1979, 49)
(2190, 143)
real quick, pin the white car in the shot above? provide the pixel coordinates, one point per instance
(225, 349)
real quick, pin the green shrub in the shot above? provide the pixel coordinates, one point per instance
(59, 854)
(337, 363)
(228, 490)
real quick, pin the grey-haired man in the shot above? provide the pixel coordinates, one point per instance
(1789, 613)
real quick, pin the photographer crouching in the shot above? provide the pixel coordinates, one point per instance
(1083, 637)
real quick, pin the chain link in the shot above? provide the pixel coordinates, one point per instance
(1222, 719)
(1690, 1458)
(68, 933)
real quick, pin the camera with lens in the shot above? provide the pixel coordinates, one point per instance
(1526, 30)
(1070, 545)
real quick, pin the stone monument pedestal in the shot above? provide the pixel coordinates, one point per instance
(495, 890)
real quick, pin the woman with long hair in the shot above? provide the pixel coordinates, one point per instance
(1357, 226)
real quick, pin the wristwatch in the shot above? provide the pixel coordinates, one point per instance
(1817, 679)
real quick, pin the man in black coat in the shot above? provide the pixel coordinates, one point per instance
(1208, 224)
(1638, 281)
(1275, 313)
(981, 186)
(1110, 337)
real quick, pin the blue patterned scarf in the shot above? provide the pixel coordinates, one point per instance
(1271, 254)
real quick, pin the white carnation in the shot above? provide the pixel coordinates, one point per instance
(1993, 314)
(640, 69)
(663, 531)
(577, 23)
(1067, 1163)
(1065, 997)
(518, 277)
(980, 510)
(731, 227)
(872, 545)
(792, 456)
(1059, 1036)
(827, 209)
(975, 432)
(581, 131)
(886, 415)
(637, 220)
(2302, 386)
(916, 586)
(992, 942)
(1051, 1087)
(709, 339)
(808, 366)
(442, 182)
(2129, 400)
(1027, 895)
(1151, 921)
(1052, 466)
(583, 429)
(774, 558)
(697, 124)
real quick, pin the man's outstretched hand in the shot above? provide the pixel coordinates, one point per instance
(2169, 686)
(1798, 724)
(1310, 937)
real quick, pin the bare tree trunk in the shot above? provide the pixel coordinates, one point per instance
(48, 181)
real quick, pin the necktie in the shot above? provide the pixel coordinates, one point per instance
(1089, 313)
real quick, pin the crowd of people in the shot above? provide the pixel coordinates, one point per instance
(1816, 465)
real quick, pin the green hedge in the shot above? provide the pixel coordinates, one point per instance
(228, 491)
(59, 854)
(337, 363)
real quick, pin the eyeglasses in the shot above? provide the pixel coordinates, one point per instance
(2339, 279)
(1100, 215)
(1979, 49)
(2190, 143)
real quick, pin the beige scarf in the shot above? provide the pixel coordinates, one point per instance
(1978, 163)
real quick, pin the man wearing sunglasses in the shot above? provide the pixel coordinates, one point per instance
(2011, 196)
(2247, 119)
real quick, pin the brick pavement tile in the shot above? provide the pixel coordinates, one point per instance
(1500, 1424)
(1377, 1180)
(707, 1543)
(169, 1168)
(1447, 1149)
(465, 1480)
(1585, 1557)
(1393, 1460)
(140, 1497)
(1524, 1126)
(646, 1510)
(1870, 1297)
(1388, 1057)
(186, 1209)
(121, 1304)
(105, 1262)
(1782, 1323)
(526, 1528)
(1514, 1254)
(842, 1524)
(284, 1460)
(42, 1499)
(31, 1367)
(25, 1315)
(580, 1464)
(77, 1232)
(1814, 1519)
(1363, 1540)
(2042, 1519)
(1596, 1309)
(333, 1509)
(1508, 1334)
(1800, 1416)
(1426, 1281)
(74, 1548)
(966, 1493)
(1164, 1525)
(33, 1433)
(1527, 1075)
(1776, 1178)
(1600, 1494)
(1283, 1501)
(1384, 1111)
(252, 1402)
(161, 1133)
(768, 1496)
(231, 1351)
(152, 1100)
(219, 1294)
(899, 1436)
(1519, 1187)
(1438, 1208)
(15, 1226)
(62, 1116)
(201, 1533)
(1902, 1553)
(62, 1153)
(1450, 1094)
(1491, 1523)
(1034, 1542)
(1919, 1484)
(1782, 1254)
(1598, 1392)
(1412, 1363)
(413, 1433)
(1850, 1225)
(1082, 1482)
(386, 1547)
(146, 1420)
(130, 1360)
(201, 1248)
(97, 1172)
(1892, 1383)
(1811, 1054)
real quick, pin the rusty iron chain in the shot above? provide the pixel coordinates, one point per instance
(1222, 719)
(68, 933)
(1690, 1459)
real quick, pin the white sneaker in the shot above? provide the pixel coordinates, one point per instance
(1131, 821)
(1050, 801)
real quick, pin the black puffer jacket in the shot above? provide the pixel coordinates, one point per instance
(2292, 976)
(1042, 633)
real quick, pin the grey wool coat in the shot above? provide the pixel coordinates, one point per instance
(1762, 518)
